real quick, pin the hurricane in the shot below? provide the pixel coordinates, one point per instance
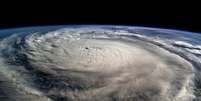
(99, 63)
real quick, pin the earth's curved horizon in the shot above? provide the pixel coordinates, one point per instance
(99, 63)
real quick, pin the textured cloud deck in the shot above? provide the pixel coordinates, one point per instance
(99, 63)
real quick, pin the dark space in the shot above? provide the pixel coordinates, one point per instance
(179, 21)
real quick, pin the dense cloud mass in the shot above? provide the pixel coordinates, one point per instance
(99, 63)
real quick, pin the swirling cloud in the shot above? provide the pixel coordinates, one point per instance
(100, 63)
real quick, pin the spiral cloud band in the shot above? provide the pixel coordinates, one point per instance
(101, 63)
